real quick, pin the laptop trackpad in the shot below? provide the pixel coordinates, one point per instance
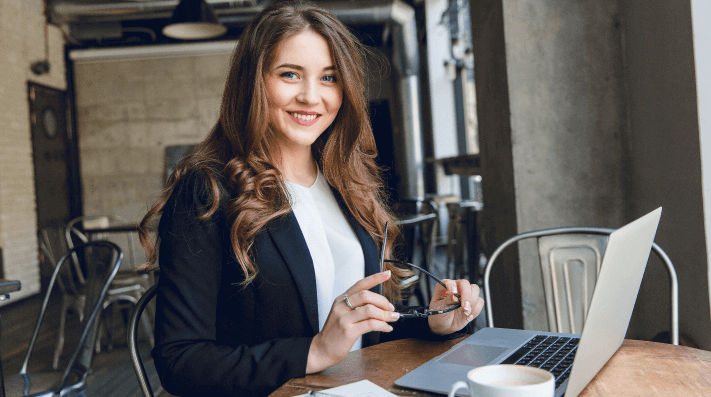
(472, 355)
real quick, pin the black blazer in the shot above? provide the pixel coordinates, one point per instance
(215, 337)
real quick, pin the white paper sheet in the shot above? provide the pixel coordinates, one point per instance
(363, 388)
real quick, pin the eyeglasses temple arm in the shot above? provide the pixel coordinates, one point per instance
(423, 271)
(382, 250)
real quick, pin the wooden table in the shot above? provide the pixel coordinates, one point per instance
(7, 286)
(125, 228)
(637, 369)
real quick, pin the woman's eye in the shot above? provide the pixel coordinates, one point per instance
(329, 79)
(289, 75)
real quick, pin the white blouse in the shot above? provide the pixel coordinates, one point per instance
(335, 249)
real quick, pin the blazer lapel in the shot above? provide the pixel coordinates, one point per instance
(372, 266)
(289, 240)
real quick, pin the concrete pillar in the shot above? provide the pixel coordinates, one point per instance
(496, 151)
(551, 116)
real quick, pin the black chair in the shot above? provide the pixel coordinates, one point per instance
(133, 341)
(129, 285)
(418, 225)
(70, 282)
(463, 240)
(102, 260)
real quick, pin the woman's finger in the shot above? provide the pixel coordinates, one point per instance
(464, 288)
(466, 294)
(365, 297)
(449, 293)
(365, 326)
(369, 282)
(368, 312)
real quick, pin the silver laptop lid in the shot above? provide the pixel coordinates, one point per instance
(615, 294)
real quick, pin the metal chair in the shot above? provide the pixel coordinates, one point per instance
(128, 286)
(80, 227)
(463, 240)
(418, 225)
(103, 259)
(133, 341)
(70, 282)
(570, 259)
(97, 227)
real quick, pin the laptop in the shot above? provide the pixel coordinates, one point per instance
(573, 359)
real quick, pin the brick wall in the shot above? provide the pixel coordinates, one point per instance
(128, 111)
(22, 34)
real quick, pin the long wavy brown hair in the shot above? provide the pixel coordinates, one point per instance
(240, 146)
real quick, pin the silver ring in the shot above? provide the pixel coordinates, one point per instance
(348, 301)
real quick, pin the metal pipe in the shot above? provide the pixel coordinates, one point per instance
(412, 157)
(69, 12)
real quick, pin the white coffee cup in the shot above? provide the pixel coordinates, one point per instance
(507, 381)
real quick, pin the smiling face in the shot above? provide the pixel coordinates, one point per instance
(303, 90)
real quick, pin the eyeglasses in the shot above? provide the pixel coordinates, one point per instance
(422, 312)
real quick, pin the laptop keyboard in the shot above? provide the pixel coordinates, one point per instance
(552, 353)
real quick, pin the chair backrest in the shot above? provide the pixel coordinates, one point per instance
(53, 246)
(102, 259)
(418, 220)
(52, 243)
(133, 341)
(418, 223)
(570, 260)
(463, 239)
(87, 227)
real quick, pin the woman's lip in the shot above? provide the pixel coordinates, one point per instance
(304, 122)
(304, 112)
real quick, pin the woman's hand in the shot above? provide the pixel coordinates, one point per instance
(457, 319)
(343, 327)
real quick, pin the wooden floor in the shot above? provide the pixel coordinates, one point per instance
(112, 372)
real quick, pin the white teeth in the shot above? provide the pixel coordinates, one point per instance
(305, 117)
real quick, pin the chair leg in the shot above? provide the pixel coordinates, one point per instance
(97, 345)
(452, 244)
(109, 328)
(60, 336)
(102, 328)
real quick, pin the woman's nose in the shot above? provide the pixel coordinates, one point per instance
(309, 93)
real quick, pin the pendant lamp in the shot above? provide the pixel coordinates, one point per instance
(194, 20)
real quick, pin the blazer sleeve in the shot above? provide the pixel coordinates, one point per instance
(188, 359)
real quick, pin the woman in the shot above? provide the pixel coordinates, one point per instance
(270, 228)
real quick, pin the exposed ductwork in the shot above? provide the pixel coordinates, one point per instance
(397, 13)
(76, 11)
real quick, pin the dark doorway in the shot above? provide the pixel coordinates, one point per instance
(52, 154)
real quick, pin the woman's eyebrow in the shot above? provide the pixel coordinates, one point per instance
(297, 67)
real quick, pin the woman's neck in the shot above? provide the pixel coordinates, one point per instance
(300, 169)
